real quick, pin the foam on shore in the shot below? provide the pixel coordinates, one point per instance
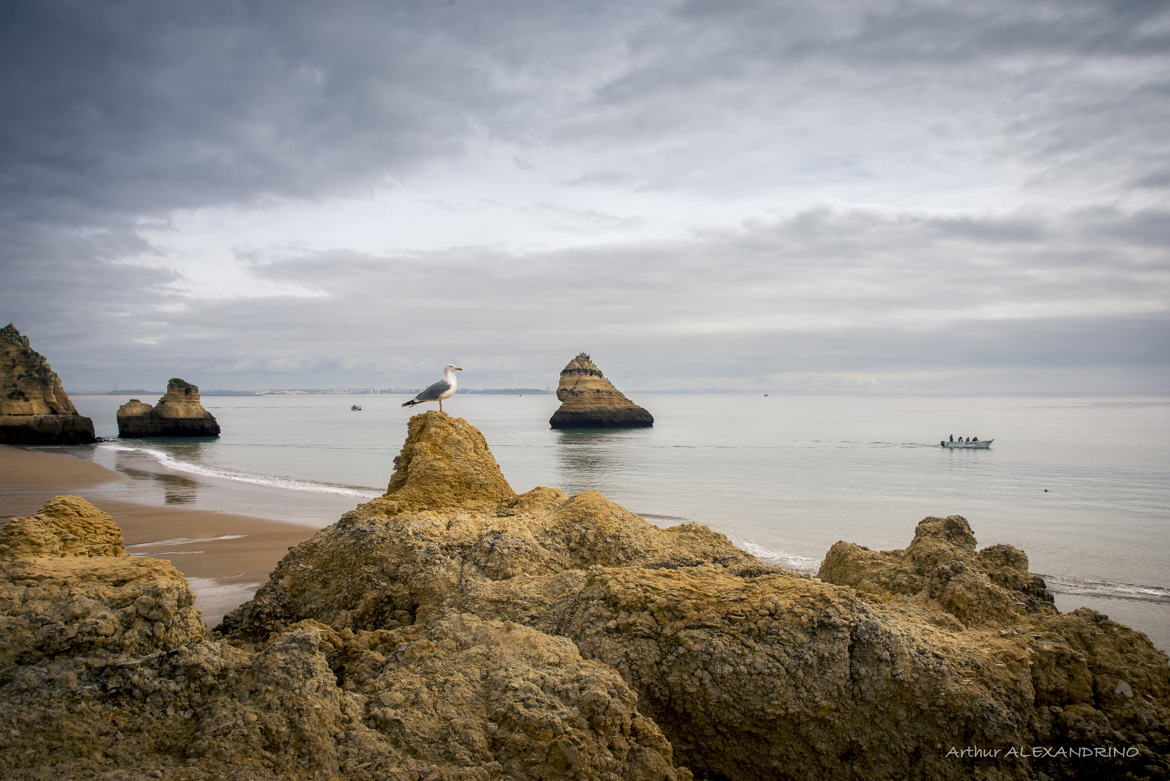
(169, 461)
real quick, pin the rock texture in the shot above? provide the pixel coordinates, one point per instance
(589, 400)
(177, 414)
(455, 629)
(941, 567)
(107, 671)
(34, 409)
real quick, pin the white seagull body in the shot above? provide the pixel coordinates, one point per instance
(443, 389)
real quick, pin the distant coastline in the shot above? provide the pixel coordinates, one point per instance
(321, 392)
(367, 391)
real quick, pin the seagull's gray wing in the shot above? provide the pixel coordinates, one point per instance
(433, 391)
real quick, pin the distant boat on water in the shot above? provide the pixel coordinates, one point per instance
(974, 444)
(355, 408)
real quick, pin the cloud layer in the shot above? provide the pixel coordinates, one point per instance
(912, 196)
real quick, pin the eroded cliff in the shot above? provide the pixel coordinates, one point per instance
(34, 408)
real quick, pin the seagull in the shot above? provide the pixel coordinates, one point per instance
(443, 389)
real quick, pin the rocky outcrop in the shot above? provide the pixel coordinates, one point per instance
(941, 567)
(749, 670)
(177, 414)
(69, 589)
(34, 409)
(397, 561)
(445, 462)
(455, 630)
(589, 400)
(106, 670)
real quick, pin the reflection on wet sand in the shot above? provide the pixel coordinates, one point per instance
(177, 489)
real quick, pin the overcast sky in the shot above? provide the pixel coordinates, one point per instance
(911, 195)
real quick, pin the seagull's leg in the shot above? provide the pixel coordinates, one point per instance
(440, 405)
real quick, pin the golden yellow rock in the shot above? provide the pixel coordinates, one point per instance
(452, 629)
(445, 462)
(941, 565)
(34, 408)
(589, 400)
(178, 413)
(748, 670)
(68, 588)
(64, 526)
(106, 670)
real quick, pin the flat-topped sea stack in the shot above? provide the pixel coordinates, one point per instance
(455, 629)
(177, 414)
(34, 409)
(589, 400)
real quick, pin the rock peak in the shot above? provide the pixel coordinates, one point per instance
(10, 333)
(582, 364)
(941, 566)
(177, 386)
(589, 400)
(445, 462)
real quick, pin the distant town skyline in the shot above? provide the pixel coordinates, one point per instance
(917, 197)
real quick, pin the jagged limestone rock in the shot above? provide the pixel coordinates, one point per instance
(106, 671)
(34, 409)
(64, 526)
(941, 565)
(178, 413)
(750, 671)
(68, 588)
(449, 519)
(589, 400)
(457, 632)
(445, 462)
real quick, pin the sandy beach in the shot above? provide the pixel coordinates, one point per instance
(224, 556)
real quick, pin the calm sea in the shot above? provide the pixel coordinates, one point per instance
(1078, 482)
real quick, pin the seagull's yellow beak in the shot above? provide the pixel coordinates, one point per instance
(458, 368)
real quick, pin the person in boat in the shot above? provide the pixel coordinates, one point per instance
(974, 439)
(952, 437)
(968, 439)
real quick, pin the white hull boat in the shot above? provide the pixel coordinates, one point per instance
(979, 444)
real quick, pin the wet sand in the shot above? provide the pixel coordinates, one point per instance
(224, 556)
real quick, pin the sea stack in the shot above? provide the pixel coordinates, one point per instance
(177, 414)
(589, 400)
(34, 409)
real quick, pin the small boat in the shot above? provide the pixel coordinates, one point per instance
(958, 444)
(355, 408)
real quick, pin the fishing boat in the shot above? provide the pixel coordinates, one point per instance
(975, 444)
(356, 407)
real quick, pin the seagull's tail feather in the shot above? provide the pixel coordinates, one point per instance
(410, 403)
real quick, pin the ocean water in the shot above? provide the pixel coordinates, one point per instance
(1078, 482)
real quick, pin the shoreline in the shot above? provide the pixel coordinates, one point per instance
(224, 556)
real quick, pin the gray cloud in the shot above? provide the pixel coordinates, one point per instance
(144, 107)
(824, 292)
(917, 192)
